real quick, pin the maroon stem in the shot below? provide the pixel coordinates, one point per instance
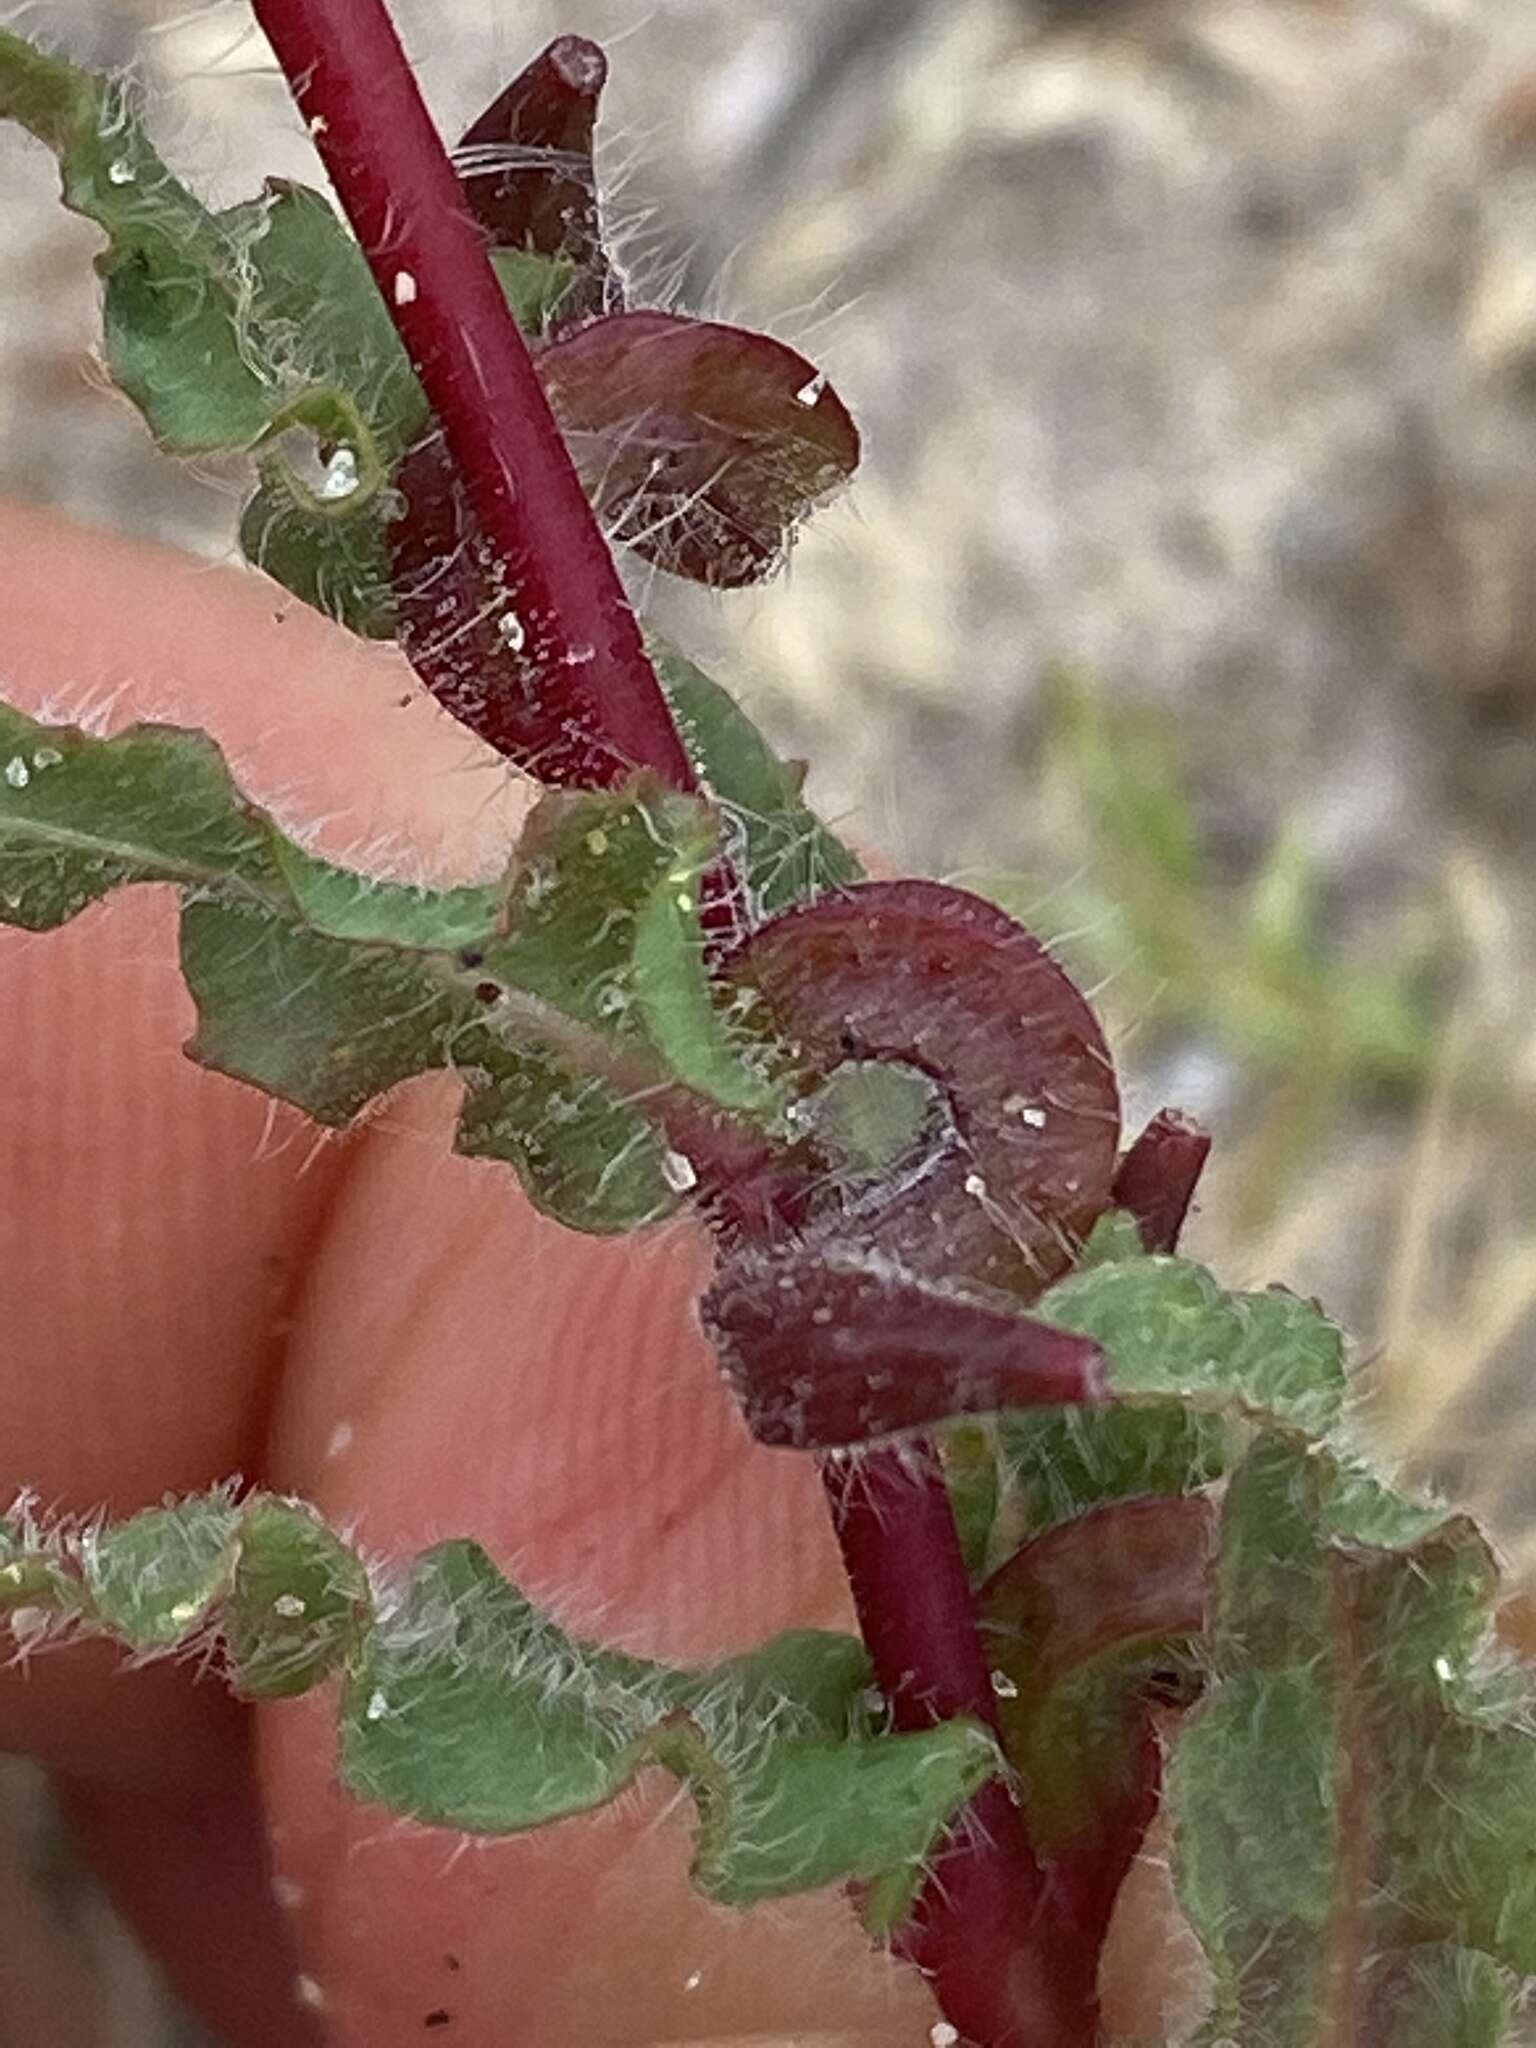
(984, 1933)
(354, 86)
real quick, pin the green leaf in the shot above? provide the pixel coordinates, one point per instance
(327, 540)
(1170, 1330)
(463, 1705)
(1116, 1236)
(319, 325)
(778, 845)
(1058, 1462)
(328, 987)
(333, 556)
(216, 324)
(810, 1672)
(809, 1814)
(1360, 1725)
(970, 1451)
(602, 912)
(29, 1575)
(299, 1602)
(672, 990)
(583, 1155)
(1436, 1995)
(340, 903)
(535, 285)
(229, 330)
(154, 1579)
(1172, 1334)
(79, 816)
(471, 1709)
(171, 267)
(322, 1023)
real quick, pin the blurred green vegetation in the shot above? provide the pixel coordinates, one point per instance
(1249, 969)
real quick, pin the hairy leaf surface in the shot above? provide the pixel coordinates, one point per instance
(1360, 1725)
(472, 1709)
(558, 993)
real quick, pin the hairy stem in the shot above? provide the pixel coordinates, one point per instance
(354, 86)
(983, 1932)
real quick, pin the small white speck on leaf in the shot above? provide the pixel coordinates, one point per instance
(17, 773)
(340, 479)
(47, 757)
(376, 1708)
(942, 2035)
(975, 1185)
(120, 172)
(309, 1991)
(808, 394)
(339, 1442)
(693, 1980)
(1444, 1670)
(289, 1605)
(288, 1892)
(1004, 1686)
(405, 288)
(1031, 1113)
(318, 124)
(512, 631)
(677, 1171)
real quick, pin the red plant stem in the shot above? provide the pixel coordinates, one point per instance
(983, 1931)
(354, 86)
(900, 1490)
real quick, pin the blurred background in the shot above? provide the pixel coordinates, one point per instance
(1185, 601)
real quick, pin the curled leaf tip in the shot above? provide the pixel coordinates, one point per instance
(527, 172)
(1017, 1161)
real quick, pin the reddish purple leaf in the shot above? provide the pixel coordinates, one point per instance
(460, 628)
(1101, 1600)
(621, 388)
(702, 446)
(1156, 1179)
(899, 1299)
(942, 981)
(1126, 1571)
(823, 1354)
(526, 169)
